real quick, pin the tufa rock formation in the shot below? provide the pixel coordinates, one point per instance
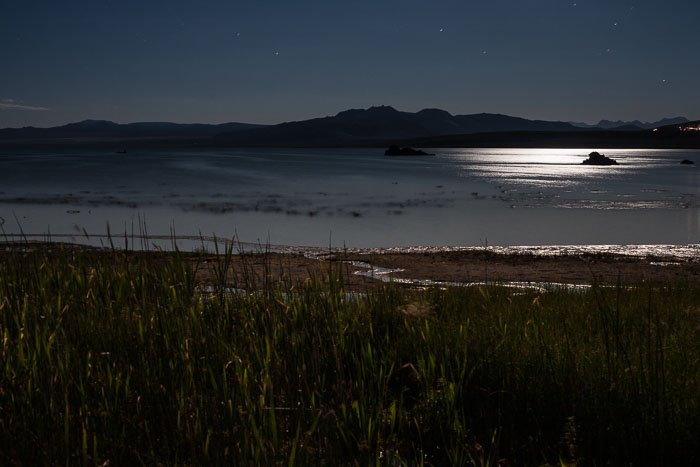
(596, 158)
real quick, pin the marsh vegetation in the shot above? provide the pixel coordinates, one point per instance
(126, 357)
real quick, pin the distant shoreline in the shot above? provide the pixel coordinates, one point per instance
(519, 139)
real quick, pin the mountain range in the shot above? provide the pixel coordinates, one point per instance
(634, 125)
(374, 126)
(360, 126)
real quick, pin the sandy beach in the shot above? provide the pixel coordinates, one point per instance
(365, 270)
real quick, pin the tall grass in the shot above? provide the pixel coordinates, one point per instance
(123, 357)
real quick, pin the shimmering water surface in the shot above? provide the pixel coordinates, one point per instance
(359, 197)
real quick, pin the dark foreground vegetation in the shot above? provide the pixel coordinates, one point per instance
(119, 357)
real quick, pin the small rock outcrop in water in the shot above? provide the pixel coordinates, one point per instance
(394, 150)
(687, 162)
(596, 158)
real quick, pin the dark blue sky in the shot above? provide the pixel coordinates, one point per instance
(267, 61)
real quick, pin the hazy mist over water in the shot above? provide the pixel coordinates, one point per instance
(359, 197)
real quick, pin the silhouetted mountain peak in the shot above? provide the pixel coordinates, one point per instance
(382, 111)
(91, 124)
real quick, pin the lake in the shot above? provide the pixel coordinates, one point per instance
(357, 197)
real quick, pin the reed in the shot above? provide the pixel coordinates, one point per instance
(124, 357)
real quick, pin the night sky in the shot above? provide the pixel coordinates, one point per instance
(267, 61)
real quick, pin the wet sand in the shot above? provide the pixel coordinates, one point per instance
(486, 266)
(472, 266)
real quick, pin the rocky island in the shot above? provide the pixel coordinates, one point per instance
(596, 158)
(395, 150)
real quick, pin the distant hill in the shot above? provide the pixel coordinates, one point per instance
(358, 126)
(635, 125)
(103, 129)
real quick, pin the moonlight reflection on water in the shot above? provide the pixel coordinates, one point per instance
(358, 197)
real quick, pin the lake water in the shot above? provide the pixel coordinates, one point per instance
(358, 197)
